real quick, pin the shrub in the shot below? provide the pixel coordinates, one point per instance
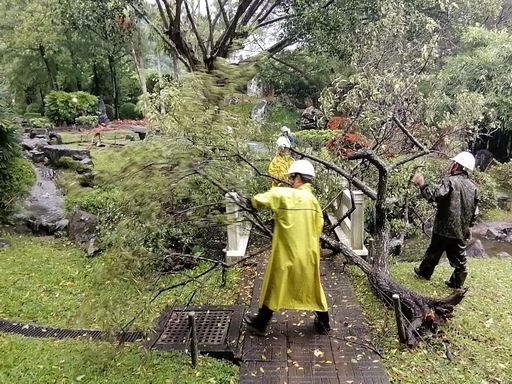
(502, 173)
(29, 116)
(105, 202)
(87, 121)
(40, 122)
(64, 107)
(15, 184)
(16, 173)
(314, 138)
(128, 111)
(487, 188)
(33, 108)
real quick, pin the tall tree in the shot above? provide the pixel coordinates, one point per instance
(198, 32)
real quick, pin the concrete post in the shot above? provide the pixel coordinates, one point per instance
(357, 221)
(238, 229)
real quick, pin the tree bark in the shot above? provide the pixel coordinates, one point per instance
(113, 77)
(51, 77)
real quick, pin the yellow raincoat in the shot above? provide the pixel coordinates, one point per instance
(292, 277)
(278, 168)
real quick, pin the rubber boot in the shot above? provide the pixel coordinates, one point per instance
(258, 324)
(457, 279)
(322, 323)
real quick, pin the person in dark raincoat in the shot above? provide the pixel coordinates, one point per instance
(292, 277)
(457, 200)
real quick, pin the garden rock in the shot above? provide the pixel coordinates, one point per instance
(36, 156)
(39, 133)
(35, 143)
(259, 88)
(82, 226)
(495, 234)
(4, 244)
(476, 249)
(311, 119)
(504, 255)
(92, 247)
(260, 110)
(43, 210)
(55, 152)
(55, 138)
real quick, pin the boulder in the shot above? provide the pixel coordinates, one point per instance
(82, 226)
(504, 255)
(495, 234)
(311, 118)
(4, 244)
(54, 138)
(42, 211)
(93, 246)
(475, 248)
(259, 88)
(55, 152)
(260, 110)
(31, 144)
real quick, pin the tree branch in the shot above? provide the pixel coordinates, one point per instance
(408, 134)
(355, 181)
(196, 32)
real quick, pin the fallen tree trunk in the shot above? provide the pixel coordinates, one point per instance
(420, 312)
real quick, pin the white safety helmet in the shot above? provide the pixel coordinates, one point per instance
(283, 142)
(284, 129)
(303, 167)
(466, 159)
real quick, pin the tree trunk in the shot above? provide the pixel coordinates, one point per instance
(421, 312)
(113, 77)
(141, 71)
(51, 77)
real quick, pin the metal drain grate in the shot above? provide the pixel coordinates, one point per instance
(212, 327)
(32, 330)
(218, 329)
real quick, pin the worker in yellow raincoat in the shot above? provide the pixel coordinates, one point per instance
(292, 277)
(278, 167)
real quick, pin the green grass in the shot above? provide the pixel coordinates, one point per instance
(34, 361)
(479, 334)
(51, 282)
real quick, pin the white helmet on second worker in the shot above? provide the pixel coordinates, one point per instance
(283, 142)
(303, 167)
(284, 129)
(466, 159)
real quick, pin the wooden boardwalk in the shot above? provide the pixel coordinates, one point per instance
(293, 353)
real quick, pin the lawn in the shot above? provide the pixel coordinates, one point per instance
(478, 338)
(51, 282)
(41, 361)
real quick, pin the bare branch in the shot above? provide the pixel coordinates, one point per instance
(357, 183)
(222, 11)
(196, 32)
(177, 17)
(269, 22)
(408, 134)
(165, 22)
(169, 43)
(210, 25)
(369, 155)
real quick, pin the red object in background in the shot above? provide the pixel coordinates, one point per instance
(339, 123)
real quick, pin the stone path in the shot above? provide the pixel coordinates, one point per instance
(293, 353)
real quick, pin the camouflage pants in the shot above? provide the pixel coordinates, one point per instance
(455, 252)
